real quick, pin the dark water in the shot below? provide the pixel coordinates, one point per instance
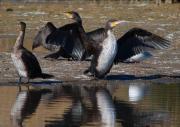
(140, 104)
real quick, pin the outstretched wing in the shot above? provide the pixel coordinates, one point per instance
(96, 37)
(137, 41)
(67, 37)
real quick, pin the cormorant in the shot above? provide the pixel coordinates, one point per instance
(67, 39)
(106, 50)
(24, 61)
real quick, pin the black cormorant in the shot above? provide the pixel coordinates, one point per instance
(106, 50)
(24, 61)
(67, 39)
(131, 46)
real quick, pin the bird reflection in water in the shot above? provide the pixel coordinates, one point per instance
(96, 106)
(137, 91)
(90, 106)
(25, 105)
(106, 108)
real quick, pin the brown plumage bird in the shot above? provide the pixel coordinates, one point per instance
(24, 61)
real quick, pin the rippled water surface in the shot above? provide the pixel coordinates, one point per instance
(112, 104)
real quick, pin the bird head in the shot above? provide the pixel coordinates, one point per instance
(113, 22)
(22, 26)
(73, 15)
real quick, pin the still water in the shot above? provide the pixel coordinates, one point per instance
(139, 104)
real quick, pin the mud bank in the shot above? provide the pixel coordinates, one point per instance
(162, 68)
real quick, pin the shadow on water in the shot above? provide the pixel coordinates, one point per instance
(133, 77)
(90, 105)
(48, 82)
(37, 83)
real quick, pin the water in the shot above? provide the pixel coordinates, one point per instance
(139, 104)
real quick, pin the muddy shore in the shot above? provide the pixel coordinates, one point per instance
(161, 68)
(161, 20)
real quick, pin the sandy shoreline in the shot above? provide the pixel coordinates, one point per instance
(161, 20)
(160, 68)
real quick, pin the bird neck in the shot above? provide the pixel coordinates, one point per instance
(108, 28)
(52, 28)
(78, 20)
(83, 33)
(19, 40)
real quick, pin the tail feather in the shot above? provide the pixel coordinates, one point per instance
(46, 76)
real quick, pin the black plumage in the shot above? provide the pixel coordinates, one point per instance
(105, 49)
(66, 39)
(136, 41)
(69, 39)
(102, 45)
(133, 43)
(50, 33)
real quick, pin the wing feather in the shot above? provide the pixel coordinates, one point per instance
(67, 37)
(136, 41)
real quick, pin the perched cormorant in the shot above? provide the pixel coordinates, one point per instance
(67, 39)
(103, 46)
(24, 61)
(106, 50)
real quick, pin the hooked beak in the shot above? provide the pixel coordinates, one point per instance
(68, 14)
(118, 22)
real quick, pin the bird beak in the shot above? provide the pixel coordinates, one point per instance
(118, 22)
(69, 15)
